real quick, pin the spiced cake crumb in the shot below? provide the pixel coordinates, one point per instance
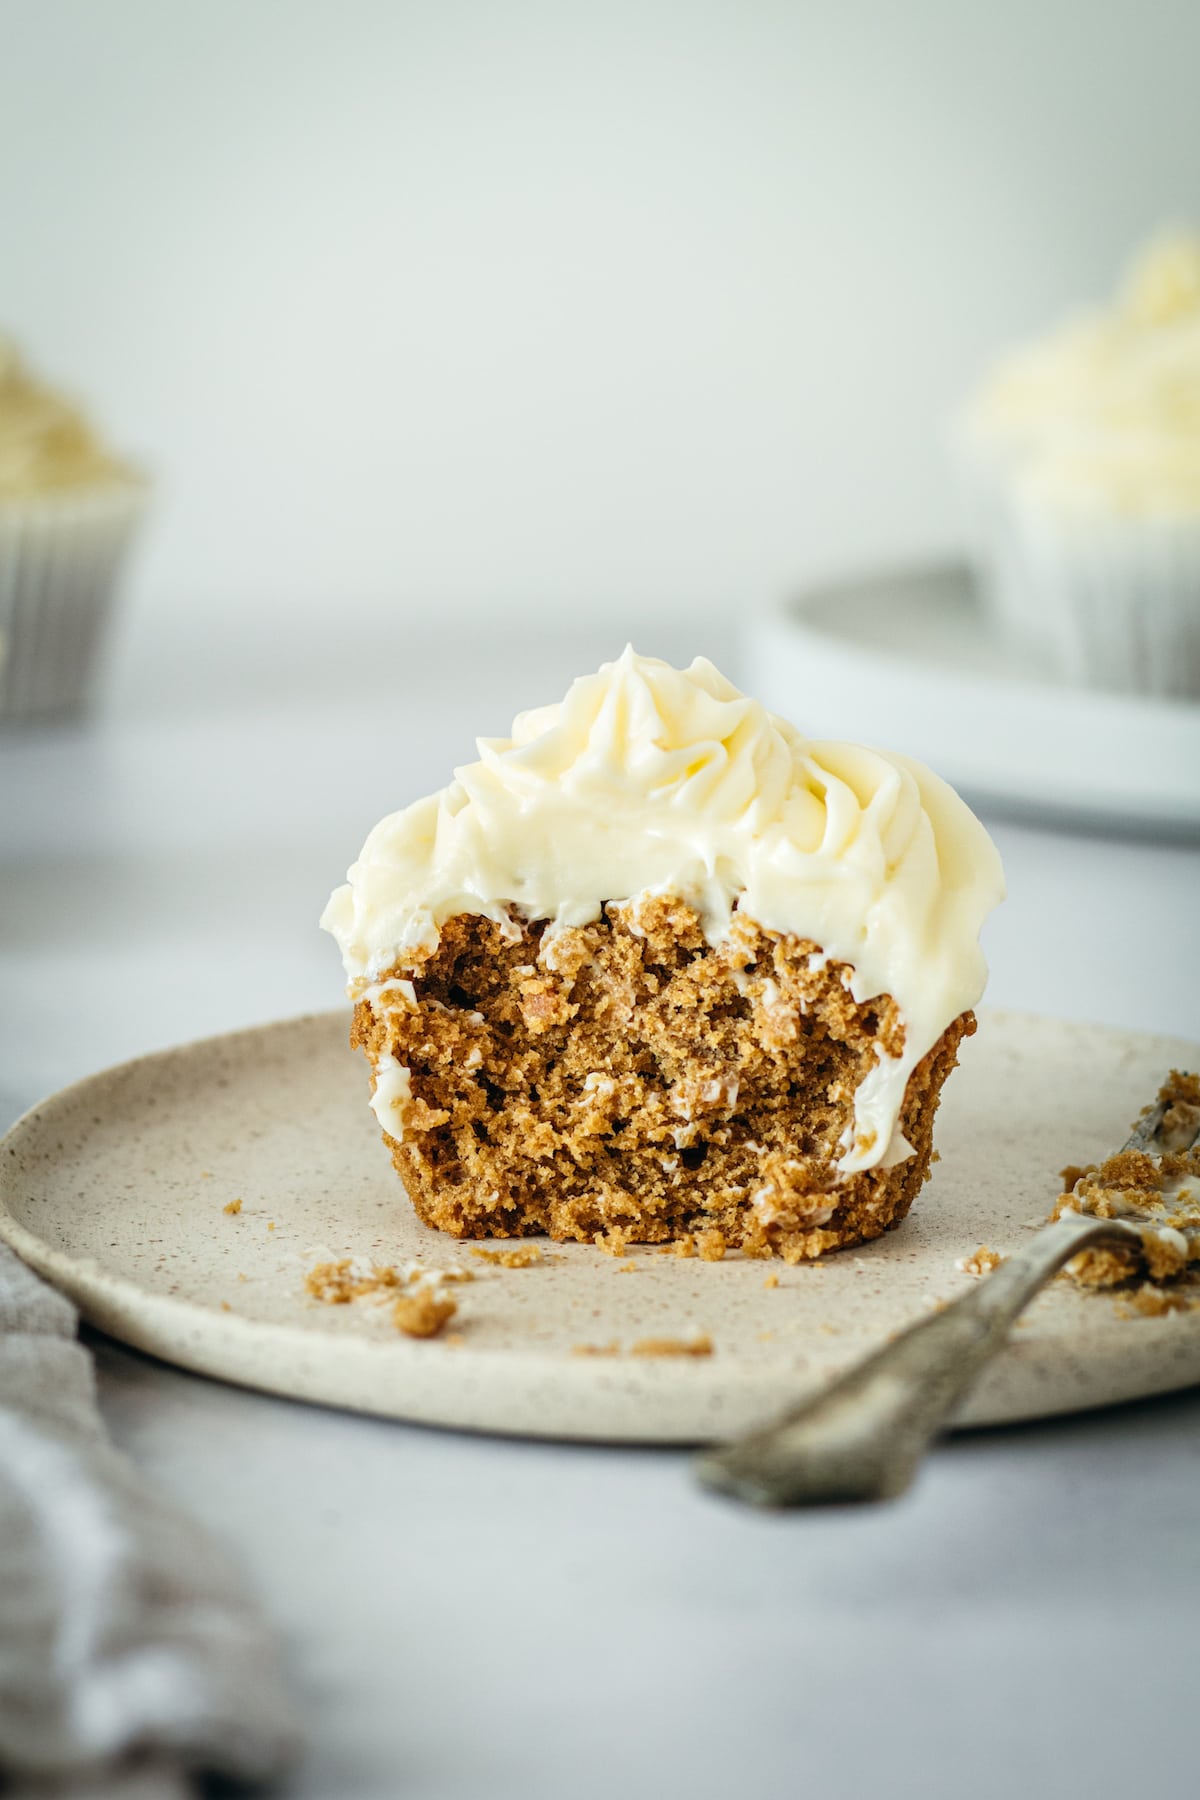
(420, 1305)
(670, 1346)
(1074, 1172)
(772, 1280)
(338, 1283)
(1150, 1302)
(232, 1207)
(701, 1345)
(524, 1257)
(981, 1261)
(423, 1313)
(613, 1242)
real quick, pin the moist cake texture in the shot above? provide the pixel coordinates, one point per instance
(644, 1086)
(658, 968)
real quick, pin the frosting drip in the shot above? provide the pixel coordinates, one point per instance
(650, 779)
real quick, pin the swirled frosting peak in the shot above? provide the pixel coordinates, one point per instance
(1104, 412)
(651, 779)
(47, 446)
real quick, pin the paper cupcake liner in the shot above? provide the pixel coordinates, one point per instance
(59, 560)
(1120, 597)
(987, 474)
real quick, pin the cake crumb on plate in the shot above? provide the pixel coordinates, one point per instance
(981, 1261)
(670, 1346)
(423, 1313)
(522, 1258)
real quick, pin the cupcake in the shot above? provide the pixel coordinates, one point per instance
(656, 968)
(1083, 458)
(68, 509)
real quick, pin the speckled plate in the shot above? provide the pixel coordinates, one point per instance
(116, 1189)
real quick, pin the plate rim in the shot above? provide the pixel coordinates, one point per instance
(783, 631)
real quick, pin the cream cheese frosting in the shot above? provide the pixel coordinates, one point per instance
(1106, 409)
(1136, 475)
(648, 779)
(46, 444)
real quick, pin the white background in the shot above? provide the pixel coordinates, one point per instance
(536, 310)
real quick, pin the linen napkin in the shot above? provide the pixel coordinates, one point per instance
(131, 1659)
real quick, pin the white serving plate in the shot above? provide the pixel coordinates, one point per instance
(909, 660)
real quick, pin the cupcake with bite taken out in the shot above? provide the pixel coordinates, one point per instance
(656, 968)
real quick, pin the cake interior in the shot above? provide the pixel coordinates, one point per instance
(636, 1084)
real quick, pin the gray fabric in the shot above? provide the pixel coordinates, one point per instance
(130, 1656)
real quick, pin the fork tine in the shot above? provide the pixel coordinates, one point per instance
(1181, 1134)
(1147, 1128)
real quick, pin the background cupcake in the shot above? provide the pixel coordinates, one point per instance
(1083, 459)
(68, 510)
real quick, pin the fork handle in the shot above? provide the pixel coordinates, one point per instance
(863, 1438)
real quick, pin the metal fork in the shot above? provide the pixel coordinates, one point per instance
(863, 1438)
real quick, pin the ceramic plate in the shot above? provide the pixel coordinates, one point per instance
(920, 660)
(116, 1189)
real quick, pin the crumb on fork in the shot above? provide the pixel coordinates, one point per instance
(1156, 1192)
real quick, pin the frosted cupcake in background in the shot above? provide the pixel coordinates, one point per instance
(68, 511)
(1082, 452)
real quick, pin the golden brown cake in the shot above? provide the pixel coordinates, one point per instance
(658, 970)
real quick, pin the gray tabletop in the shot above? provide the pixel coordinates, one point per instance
(468, 1617)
